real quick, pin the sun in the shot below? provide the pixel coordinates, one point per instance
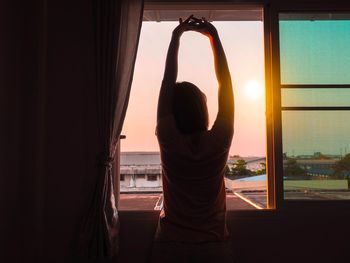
(254, 90)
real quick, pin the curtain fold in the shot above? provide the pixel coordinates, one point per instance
(117, 26)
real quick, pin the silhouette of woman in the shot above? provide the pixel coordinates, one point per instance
(192, 225)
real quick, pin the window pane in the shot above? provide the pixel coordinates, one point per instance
(245, 174)
(316, 146)
(314, 49)
(309, 97)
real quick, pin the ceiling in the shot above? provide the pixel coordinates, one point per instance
(211, 12)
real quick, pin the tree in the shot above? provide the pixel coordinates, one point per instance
(240, 168)
(262, 170)
(341, 166)
(320, 156)
(228, 171)
(285, 157)
(292, 169)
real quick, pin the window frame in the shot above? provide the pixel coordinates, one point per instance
(249, 4)
(276, 86)
(274, 151)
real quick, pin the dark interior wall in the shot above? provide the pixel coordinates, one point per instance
(257, 236)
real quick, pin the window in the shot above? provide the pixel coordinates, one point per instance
(315, 97)
(152, 177)
(122, 177)
(315, 92)
(314, 48)
(241, 32)
(141, 176)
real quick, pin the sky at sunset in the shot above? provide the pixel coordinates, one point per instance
(243, 44)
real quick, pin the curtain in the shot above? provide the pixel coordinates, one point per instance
(117, 27)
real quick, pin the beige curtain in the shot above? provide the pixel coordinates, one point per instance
(117, 27)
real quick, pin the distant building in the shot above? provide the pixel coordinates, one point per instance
(140, 172)
(317, 167)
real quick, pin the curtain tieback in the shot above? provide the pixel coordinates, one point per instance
(105, 161)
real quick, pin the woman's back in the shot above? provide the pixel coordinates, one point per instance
(193, 182)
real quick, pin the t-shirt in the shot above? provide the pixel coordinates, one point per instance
(193, 182)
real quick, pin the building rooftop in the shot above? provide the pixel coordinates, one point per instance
(139, 158)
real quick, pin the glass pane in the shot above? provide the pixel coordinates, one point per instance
(140, 163)
(316, 159)
(308, 97)
(314, 49)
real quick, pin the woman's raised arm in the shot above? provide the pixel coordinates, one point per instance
(165, 99)
(226, 102)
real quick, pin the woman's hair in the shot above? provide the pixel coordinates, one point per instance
(190, 108)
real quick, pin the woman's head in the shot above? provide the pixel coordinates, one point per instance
(190, 108)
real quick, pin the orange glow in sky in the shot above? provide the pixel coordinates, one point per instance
(243, 44)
